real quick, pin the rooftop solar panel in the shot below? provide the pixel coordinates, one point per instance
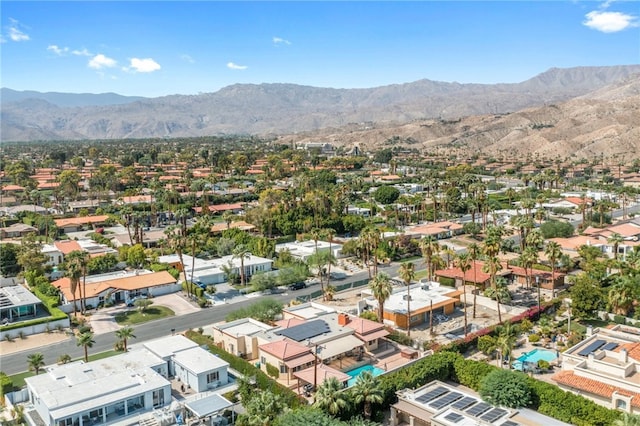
(446, 400)
(609, 346)
(478, 409)
(510, 423)
(453, 417)
(593, 346)
(305, 331)
(493, 415)
(464, 403)
(432, 394)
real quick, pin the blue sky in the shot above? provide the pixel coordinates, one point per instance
(159, 48)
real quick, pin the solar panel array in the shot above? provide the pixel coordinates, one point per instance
(454, 417)
(305, 331)
(446, 400)
(494, 415)
(441, 398)
(432, 394)
(609, 346)
(592, 347)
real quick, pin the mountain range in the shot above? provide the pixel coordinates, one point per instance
(461, 116)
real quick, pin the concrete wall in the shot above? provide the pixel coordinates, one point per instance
(35, 329)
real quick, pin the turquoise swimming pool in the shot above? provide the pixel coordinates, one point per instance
(356, 372)
(532, 358)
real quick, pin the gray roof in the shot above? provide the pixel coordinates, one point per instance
(208, 405)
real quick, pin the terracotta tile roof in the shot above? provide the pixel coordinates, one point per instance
(364, 326)
(570, 379)
(633, 350)
(137, 199)
(289, 322)
(12, 187)
(135, 282)
(285, 349)
(61, 223)
(67, 247)
(220, 207)
(469, 276)
(242, 225)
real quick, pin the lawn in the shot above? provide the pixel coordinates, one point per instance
(135, 316)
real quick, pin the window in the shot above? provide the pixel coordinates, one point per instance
(621, 404)
(213, 377)
(158, 398)
(416, 318)
(283, 368)
(263, 360)
(66, 422)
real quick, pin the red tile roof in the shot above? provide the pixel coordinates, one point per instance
(285, 349)
(85, 220)
(67, 247)
(364, 326)
(570, 379)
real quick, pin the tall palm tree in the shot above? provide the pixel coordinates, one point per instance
(615, 239)
(241, 252)
(330, 397)
(528, 258)
(73, 271)
(474, 254)
(506, 339)
(86, 341)
(124, 334)
(492, 266)
(408, 273)
(35, 362)
(430, 248)
(367, 392)
(329, 234)
(463, 261)
(553, 251)
(622, 295)
(381, 289)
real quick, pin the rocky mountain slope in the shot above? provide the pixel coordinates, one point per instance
(286, 108)
(602, 123)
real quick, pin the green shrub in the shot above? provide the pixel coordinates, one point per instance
(534, 338)
(619, 319)
(544, 365)
(273, 371)
(6, 385)
(449, 282)
(399, 337)
(506, 388)
(470, 373)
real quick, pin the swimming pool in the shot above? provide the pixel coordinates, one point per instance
(532, 358)
(356, 372)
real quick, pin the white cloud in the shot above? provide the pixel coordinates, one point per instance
(15, 33)
(610, 22)
(187, 58)
(81, 52)
(233, 66)
(278, 40)
(57, 49)
(143, 65)
(101, 61)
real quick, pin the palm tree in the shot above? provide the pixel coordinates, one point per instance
(381, 289)
(330, 397)
(628, 420)
(366, 391)
(407, 273)
(528, 258)
(463, 261)
(35, 362)
(615, 239)
(73, 271)
(507, 335)
(553, 251)
(474, 253)
(492, 266)
(329, 234)
(621, 296)
(241, 252)
(124, 334)
(86, 341)
(430, 248)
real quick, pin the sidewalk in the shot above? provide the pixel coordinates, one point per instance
(33, 341)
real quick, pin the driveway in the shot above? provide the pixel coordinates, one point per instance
(103, 320)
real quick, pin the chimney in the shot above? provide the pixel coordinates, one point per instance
(343, 319)
(623, 356)
(589, 331)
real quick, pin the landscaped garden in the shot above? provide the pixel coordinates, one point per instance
(137, 316)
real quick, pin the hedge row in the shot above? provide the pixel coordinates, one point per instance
(247, 369)
(50, 303)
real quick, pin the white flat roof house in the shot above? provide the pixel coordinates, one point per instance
(99, 392)
(212, 272)
(304, 249)
(125, 388)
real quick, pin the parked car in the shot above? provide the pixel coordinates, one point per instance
(297, 286)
